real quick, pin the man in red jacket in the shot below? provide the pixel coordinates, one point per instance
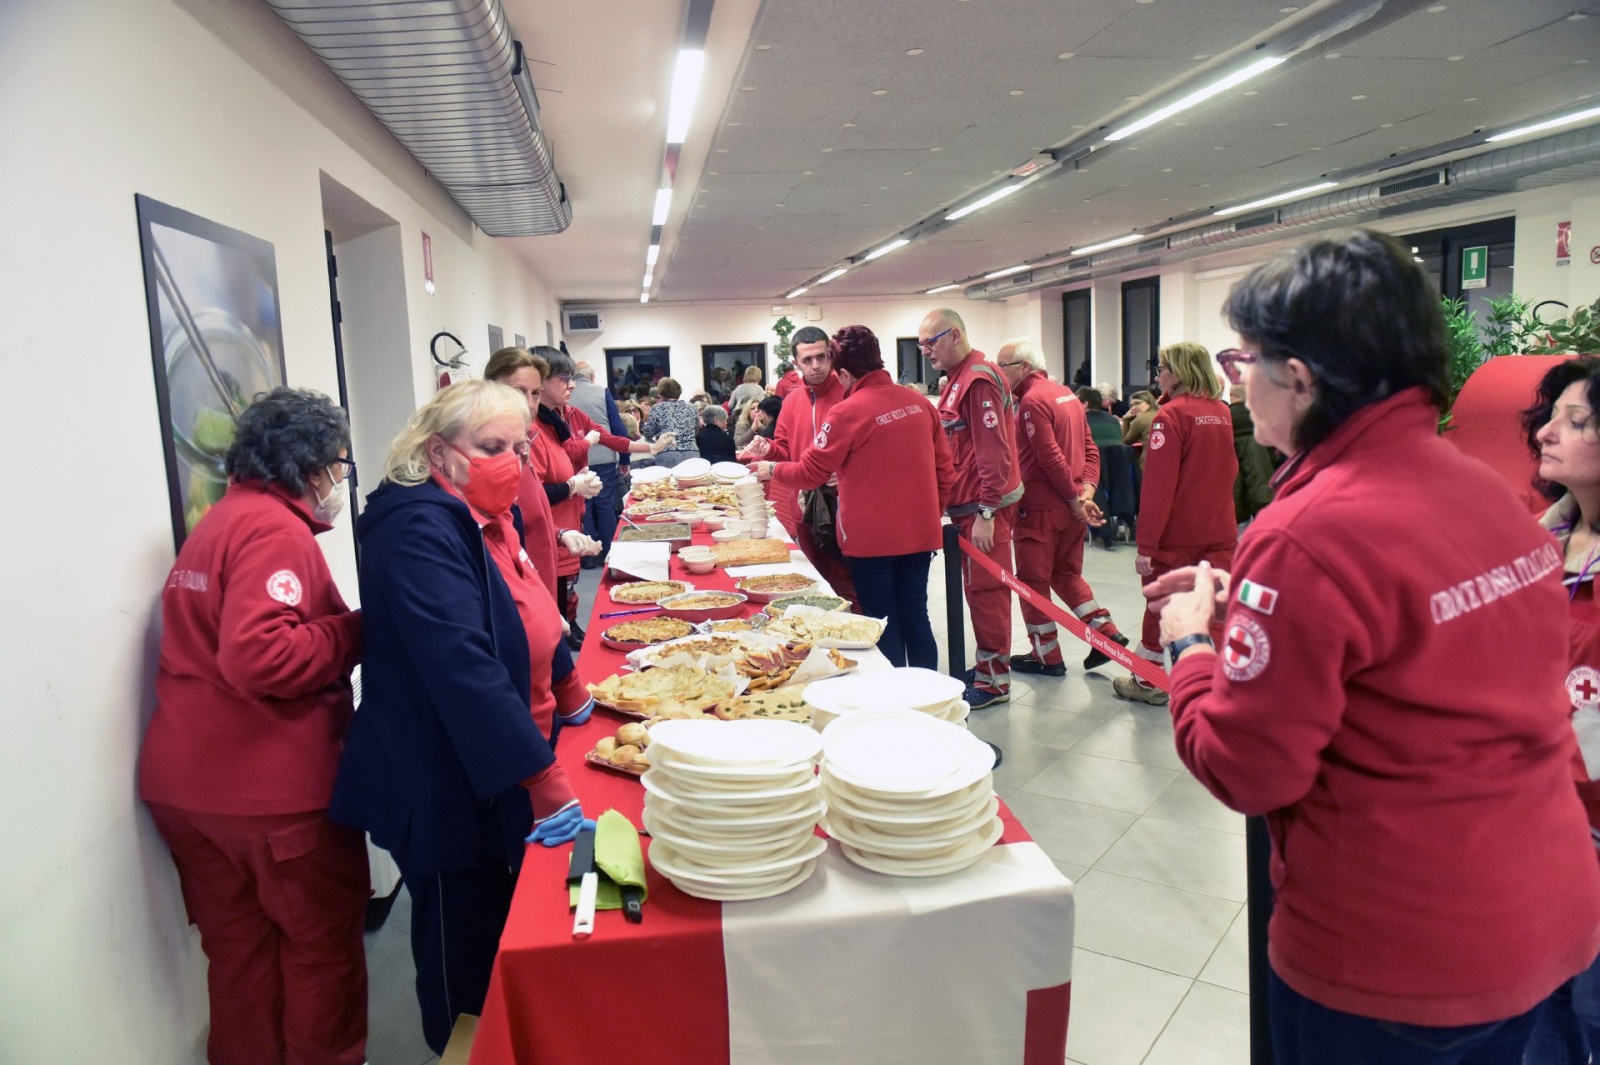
(976, 409)
(1060, 471)
(805, 411)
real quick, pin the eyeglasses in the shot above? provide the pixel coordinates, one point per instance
(349, 467)
(927, 345)
(1008, 365)
(562, 377)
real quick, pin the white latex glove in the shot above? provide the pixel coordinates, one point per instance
(579, 544)
(585, 485)
(592, 437)
(759, 447)
(566, 630)
(664, 441)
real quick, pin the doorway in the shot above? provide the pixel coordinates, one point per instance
(913, 365)
(725, 365)
(631, 372)
(1442, 252)
(1077, 331)
(1141, 332)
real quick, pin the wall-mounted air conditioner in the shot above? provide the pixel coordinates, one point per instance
(581, 321)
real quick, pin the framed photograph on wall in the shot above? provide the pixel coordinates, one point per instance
(216, 341)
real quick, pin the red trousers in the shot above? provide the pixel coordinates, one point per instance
(989, 603)
(1049, 549)
(280, 901)
(1165, 561)
(832, 567)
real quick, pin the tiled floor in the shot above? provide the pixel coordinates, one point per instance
(1159, 973)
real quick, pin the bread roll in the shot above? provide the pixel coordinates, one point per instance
(625, 754)
(634, 732)
(606, 746)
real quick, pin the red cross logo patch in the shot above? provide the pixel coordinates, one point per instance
(1030, 430)
(1583, 688)
(1246, 650)
(1157, 438)
(284, 586)
(990, 419)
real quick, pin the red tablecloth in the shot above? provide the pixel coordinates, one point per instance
(657, 993)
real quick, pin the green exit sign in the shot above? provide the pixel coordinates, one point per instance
(1475, 267)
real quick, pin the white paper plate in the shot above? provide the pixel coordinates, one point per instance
(740, 743)
(691, 468)
(732, 470)
(928, 867)
(733, 853)
(651, 474)
(754, 831)
(670, 861)
(676, 791)
(687, 782)
(738, 776)
(919, 689)
(909, 840)
(751, 813)
(894, 750)
(704, 889)
(909, 814)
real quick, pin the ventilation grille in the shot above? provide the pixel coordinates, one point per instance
(1412, 184)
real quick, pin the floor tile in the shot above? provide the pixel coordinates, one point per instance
(1229, 966)
(1069, 831)
(1181, 856)
(1126, 786)
(1132, 741)
(1118, 1008)
(1072, 872)
(1210, 1027)
(1022, 762)
(1187, 801)
(1024, 723)
(394, 1023)
(1152, 924)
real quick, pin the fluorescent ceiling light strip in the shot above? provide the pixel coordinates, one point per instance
(685, 87)
(978, 205)
(801, 291)
(1090, 249)
(1540, 127)
(663, 205)
(1008, 271)
(647, 279)
(652, 254)
(1281, 197)
(825, 278)
(942, 288)
(886, 249)
(644, 297)
(1199, 96)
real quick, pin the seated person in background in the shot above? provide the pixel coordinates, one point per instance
(1142, 410)
(713, 439)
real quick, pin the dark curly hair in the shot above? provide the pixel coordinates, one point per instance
(1556, 381)
(1359, 312)
(285, 436)
(856, 351)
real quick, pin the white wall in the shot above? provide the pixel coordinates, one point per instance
(684, 327)
(215, 108)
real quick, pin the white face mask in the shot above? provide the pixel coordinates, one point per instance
(328, 509)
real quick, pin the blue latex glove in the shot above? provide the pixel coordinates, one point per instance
(560, 827)
(580, 716)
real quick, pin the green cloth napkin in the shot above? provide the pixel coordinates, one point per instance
(619, 859)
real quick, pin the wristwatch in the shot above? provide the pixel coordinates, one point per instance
(1183, 643)
(986, 513)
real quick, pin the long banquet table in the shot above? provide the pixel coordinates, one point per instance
(850, 967)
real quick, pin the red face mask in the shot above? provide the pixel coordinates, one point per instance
(492, 485)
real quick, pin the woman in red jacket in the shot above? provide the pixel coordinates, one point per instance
(1389, 692)
(252, 707)
(1186, 500)
(1564, 433)
(889, 451)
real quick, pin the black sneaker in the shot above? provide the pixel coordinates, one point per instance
(1096, 657)
(575, 637)
(1030, 664)
(983, 698)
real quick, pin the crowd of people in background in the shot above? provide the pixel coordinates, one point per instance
(1336, 594)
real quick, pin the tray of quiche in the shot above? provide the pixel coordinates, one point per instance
(763, 661)
(827, 628)
(640, 593)
(670, 691)
(749, 552)
(644, 632)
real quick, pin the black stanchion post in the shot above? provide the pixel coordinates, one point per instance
(1258, 884)
(954, 604)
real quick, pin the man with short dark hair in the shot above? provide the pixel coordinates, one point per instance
(803, 417)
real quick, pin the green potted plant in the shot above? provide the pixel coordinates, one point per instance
(783, 327)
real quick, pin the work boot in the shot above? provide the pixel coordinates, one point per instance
(1030, 664)
(1137, 691)
(1096, 657)
(980, 697)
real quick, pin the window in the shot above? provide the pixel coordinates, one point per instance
(725, 365)
(912, 365)
(1141, 332)
(631, 371)
(1440, 252)
(1076, 325)
(497, 339)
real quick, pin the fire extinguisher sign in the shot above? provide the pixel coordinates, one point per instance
(1563, 243)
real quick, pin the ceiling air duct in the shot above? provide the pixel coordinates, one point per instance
(1565, 157)
(450, 83)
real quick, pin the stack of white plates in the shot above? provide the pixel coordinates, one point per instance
(906, 688)
(731, 806)
(729, 472)
(908, 794)
(691, 473)
(651, 474)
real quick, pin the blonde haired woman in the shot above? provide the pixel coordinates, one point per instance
(749, 389)
(1186, 499)
(445, 766)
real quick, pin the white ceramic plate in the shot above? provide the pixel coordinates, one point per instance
(703, 889)
(740, 743)
(928, 867)
(893, 750)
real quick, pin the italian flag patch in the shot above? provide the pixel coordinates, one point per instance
(1258, 596)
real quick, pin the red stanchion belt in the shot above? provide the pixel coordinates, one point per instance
(1143, 669)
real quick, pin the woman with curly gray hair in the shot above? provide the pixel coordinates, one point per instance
(252, 706)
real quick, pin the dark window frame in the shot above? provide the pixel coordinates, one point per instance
(660, 351)
(1070, 367)
(1131, 359)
